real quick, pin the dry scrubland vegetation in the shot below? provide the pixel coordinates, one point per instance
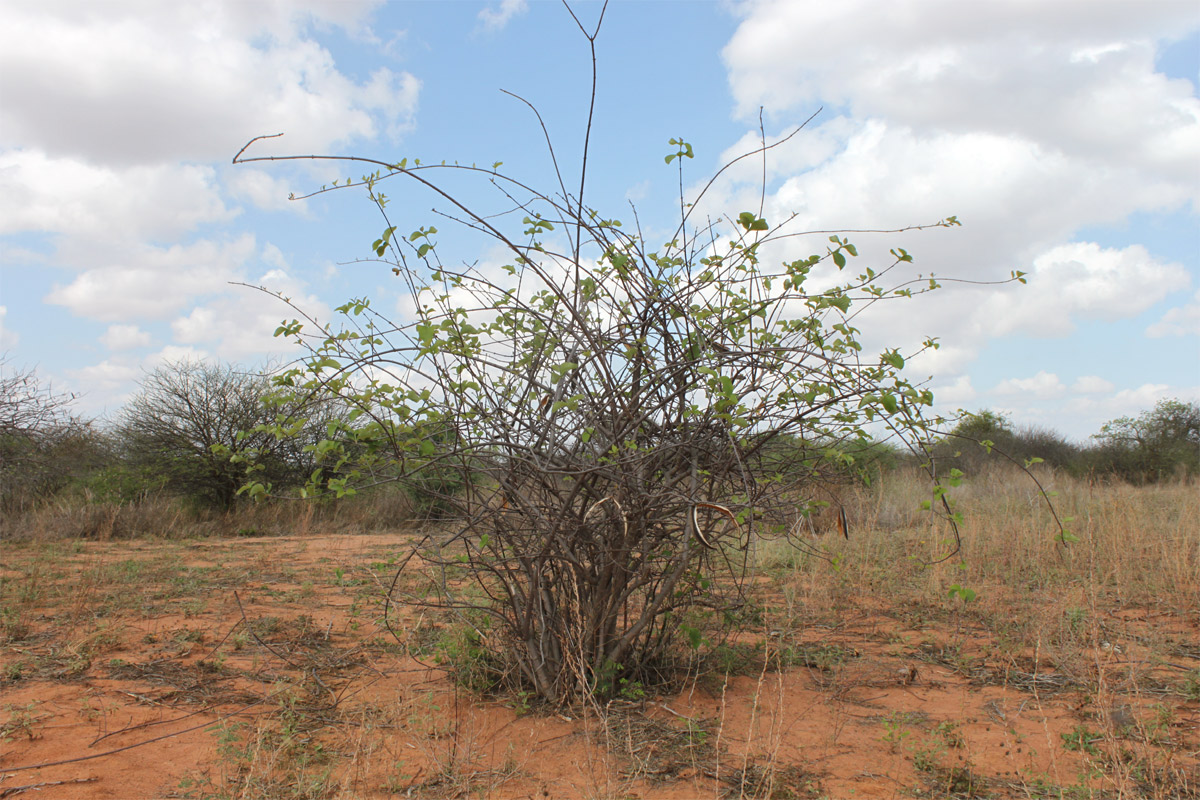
(186, 662)
(557, 538)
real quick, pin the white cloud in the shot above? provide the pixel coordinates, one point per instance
(43, 193)
(241, 324)
(1092, 384)
(127, 83)
(125, 337)
(273, 256)
(957, 394)
(113, 115)
(1004, 118)
(1096, 410)
(1083, 280)
(1049, 73)
(8, 339)
(1181, 321)
(105, 377)
(495, 18)
(264, 190)
(1014, 198)
(195, 327)
(1044, 385)
(153, 282)
(173, 353)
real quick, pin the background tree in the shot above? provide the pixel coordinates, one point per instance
(191, 429)
(987, 438)
(1163, 442)
(44, 445)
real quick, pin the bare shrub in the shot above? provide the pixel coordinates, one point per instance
(614, 421)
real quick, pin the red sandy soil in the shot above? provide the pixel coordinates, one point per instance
(269, 675)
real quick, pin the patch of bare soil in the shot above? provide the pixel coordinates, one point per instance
(262, 668)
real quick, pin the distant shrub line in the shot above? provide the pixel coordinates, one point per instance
(162, 449)
(1160, 444)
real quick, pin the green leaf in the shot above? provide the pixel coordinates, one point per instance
(841, 303)
(750, 222)
(966, 594)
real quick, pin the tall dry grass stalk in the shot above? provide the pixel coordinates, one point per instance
(1137, 545)
(78, 516)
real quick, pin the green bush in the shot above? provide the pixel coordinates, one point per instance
(1157, 444)
(123, 483)
(987, 438)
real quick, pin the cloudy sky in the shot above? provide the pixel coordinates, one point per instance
(1064, 134)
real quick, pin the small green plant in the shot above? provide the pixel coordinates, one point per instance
(189, 635)
(20, 722)
(521, 702)
(950, 734)
(896, 731)
(1081, 740)
(194, 607)
(630, 690)
(474, 666)
(1190, 688)
(1160, 727)
(927, 757)
(697, 735)
(14, 671)
(737, 658)
(823, 657)
(963, 593)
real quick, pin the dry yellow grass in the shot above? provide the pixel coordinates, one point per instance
(1134, 545)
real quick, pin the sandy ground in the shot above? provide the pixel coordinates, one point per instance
(259, 668)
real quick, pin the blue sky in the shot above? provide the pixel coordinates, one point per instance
(1065, 135)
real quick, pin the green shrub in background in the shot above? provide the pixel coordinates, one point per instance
(1158, 444)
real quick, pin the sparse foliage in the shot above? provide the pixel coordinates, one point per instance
(988, 438)
(612, 409)
(27, 406)
(43, 444)
(191, 430)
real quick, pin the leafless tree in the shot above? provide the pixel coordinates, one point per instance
(43, 443)
(196, 426)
